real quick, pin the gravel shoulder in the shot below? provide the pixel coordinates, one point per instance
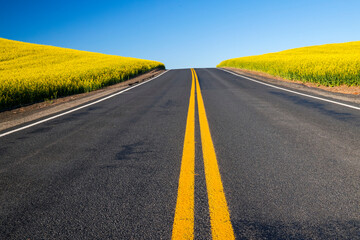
(12, 118)
(343, 93)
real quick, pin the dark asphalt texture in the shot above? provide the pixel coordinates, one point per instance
(290, 165)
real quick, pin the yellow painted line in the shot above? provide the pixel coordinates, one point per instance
(221, 227)
(183, 227)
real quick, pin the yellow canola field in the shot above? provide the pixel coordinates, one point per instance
(31, 73)
(329, 65)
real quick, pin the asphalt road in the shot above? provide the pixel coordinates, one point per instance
(289, 165)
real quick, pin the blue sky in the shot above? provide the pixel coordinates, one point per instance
(181, 34)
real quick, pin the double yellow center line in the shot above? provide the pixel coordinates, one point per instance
(183, 227)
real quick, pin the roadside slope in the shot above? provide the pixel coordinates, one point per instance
(342, 93)
(27, 114)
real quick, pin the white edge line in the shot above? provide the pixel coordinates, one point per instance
(81, 107)
(287, 90)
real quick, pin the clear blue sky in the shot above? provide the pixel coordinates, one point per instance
(181, 33)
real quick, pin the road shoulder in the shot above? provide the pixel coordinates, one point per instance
(343, 93)
(15, 117)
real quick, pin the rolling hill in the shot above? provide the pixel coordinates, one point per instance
(32, 73)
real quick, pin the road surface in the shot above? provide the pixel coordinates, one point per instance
(254, 162)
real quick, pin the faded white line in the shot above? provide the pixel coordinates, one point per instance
(78, 108)
(287, 90)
